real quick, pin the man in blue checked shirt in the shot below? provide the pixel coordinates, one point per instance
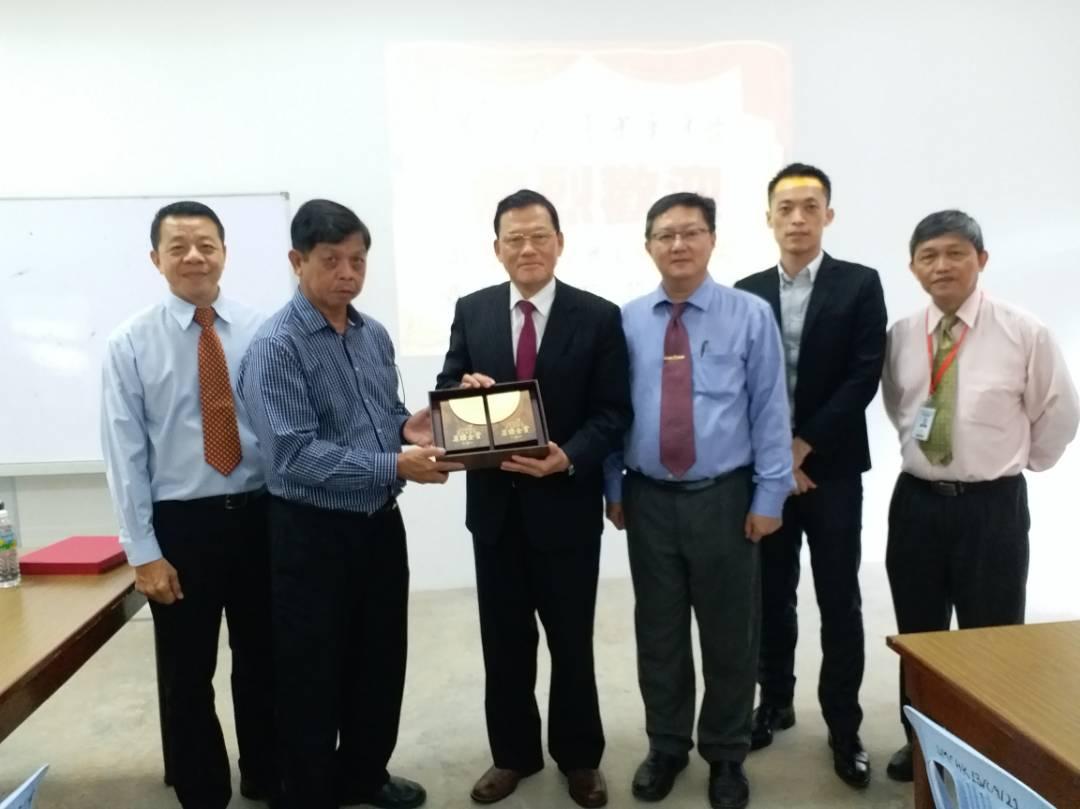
(320, 385)
(707, 469)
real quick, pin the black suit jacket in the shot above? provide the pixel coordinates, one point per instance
(583, 372)
(840, 359)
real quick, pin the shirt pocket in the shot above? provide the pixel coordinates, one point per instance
(993, 406)
(719, 374)
(324, 386)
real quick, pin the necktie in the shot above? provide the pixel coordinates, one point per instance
(938, 446)
(526, 349)
(221, 436)
(677, 397)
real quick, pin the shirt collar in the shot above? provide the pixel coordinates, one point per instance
(813, 267)
(542, 300)
(700, 298)
(312, 319)
(968, 312)
(183, 312)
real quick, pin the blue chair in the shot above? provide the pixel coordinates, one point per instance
(976, 782)
(23, 797)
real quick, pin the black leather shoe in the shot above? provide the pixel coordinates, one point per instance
(850, 760)
(728, 787)
(255, 790)
(655, 776)
(900, 765)
(767, 718)
(397, 793)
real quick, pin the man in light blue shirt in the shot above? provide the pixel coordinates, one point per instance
(707, 466)
(187, 484)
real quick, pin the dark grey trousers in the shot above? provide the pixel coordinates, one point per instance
(688, 549)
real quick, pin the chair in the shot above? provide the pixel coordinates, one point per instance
(974, 782)
(23, 797)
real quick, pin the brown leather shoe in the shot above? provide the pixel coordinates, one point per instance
(496, 784)
(587, 788)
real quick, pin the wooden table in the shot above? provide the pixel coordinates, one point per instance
(1011, 692)
(51, 625)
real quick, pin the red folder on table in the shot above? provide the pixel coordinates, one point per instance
(76, 555)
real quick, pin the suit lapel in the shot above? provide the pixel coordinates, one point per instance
(502, 343)
(770, 290)
(822, 290)
(559, 329)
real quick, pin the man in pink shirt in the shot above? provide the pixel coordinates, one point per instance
(978, 391)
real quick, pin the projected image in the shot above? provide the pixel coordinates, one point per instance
(602, 131)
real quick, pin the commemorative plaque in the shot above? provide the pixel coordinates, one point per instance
(482, 427)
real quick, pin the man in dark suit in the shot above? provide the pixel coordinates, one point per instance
(536, 523)
(832, 318)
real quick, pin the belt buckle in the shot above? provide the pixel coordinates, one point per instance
(947, 488)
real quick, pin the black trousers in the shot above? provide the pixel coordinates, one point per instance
(340, 590)
(221, 556)
(966, 551)
(515, 583)
(831, 518)
(689, 553)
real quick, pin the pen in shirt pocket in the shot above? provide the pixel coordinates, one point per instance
(704, 345)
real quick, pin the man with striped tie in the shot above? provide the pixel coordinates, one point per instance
(978, 391)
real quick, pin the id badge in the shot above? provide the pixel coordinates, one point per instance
(923, 422)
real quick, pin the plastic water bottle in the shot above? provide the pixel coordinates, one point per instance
(9, 551)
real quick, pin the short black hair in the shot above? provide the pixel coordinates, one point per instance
(684, 199)
(183, 208)
(942, 223)
(802, 170)
(525, 198)
(321, 221)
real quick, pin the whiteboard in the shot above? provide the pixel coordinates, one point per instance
(72, 271)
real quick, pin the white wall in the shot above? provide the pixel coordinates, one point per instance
(910, 107)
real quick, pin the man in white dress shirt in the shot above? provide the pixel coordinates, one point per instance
(978, 391)
(187, 485)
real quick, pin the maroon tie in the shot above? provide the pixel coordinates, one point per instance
(677, 397)
(526, 350)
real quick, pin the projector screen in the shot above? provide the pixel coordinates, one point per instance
(601, 131)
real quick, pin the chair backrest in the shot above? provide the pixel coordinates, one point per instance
(977, 783)
(23, 797)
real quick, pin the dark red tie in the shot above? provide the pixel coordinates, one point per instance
(221, 436)
(677, 397)
(526, 350)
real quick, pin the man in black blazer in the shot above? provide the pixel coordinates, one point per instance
(832, 317)
(536, 523)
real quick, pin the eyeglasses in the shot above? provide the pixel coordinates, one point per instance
(667, 238)
(539, 240)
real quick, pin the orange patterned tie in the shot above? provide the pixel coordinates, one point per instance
(221, 436)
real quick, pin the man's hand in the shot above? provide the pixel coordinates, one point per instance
(616, 516)
(556, 461)
(803, 484)
(475, 380)
(417, 429)
(158, 581)
(422, 465)
(799, 450)
(758, 526)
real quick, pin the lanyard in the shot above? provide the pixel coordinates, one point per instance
(946, 364)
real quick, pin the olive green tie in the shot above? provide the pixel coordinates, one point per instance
(938, 446)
